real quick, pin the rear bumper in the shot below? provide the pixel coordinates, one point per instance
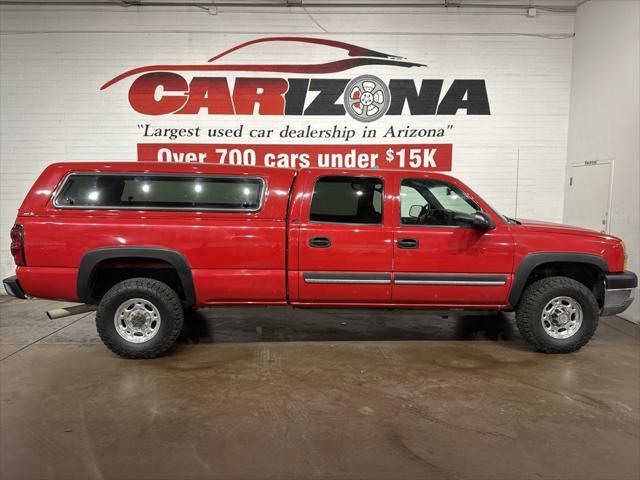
(619, 291)
(13, 288)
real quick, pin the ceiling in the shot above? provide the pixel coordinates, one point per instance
(510, 4)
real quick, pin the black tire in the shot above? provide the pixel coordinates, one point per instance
(163, 298)
(530, 308)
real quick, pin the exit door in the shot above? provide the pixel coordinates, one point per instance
(588, 194)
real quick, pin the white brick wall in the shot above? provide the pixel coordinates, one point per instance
(53, 61)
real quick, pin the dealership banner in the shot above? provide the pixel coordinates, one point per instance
(354, 111)
(404, 157)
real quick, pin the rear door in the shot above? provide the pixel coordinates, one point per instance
(345, 240)
(440, 259)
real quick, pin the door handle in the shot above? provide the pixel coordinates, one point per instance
(319, 242)
(408, 243)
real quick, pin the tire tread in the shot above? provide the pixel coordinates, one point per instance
(154, 287)
(527, 314)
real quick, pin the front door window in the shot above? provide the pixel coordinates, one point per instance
(433, 202)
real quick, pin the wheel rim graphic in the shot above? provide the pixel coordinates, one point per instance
(367, 98)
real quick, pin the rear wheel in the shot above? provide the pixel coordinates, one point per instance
(140, 318)
(557, 315)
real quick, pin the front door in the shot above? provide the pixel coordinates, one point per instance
(439, 258)
(345, 242)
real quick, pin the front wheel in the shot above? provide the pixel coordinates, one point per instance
(139, 318)
(557, 315)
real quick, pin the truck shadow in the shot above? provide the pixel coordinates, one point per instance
(283, 324)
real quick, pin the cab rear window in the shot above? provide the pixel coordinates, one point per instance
(160, 192)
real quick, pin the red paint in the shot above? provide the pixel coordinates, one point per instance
(161, 93)
(142, 94)
(360, 55)
(260, 257)
(267, 93)
(304, 156)
(352, 50)
(208, 93)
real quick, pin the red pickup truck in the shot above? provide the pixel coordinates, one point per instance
(142, 242)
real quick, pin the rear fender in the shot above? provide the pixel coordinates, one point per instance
(92, 259)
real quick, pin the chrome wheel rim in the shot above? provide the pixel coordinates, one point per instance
(562, 317)
(137, 320)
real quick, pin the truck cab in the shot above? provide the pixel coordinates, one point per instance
(142, 242)
(397, 239)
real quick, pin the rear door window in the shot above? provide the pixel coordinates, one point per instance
(345, 199)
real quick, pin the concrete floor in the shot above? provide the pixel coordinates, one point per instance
(282, 394)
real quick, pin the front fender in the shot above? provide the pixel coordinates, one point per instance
(533, 260)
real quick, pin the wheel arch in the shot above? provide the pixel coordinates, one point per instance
(533, 261)
(92, 259)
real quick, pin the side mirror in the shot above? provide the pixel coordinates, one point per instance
(414, 211)
(482, 221)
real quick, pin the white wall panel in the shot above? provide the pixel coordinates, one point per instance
(53, 61)
(605, 112)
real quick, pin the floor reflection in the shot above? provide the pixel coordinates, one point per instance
(288, 324)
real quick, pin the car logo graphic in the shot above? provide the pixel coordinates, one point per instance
(357, 57)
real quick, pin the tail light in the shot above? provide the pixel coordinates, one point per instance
(17, 245)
